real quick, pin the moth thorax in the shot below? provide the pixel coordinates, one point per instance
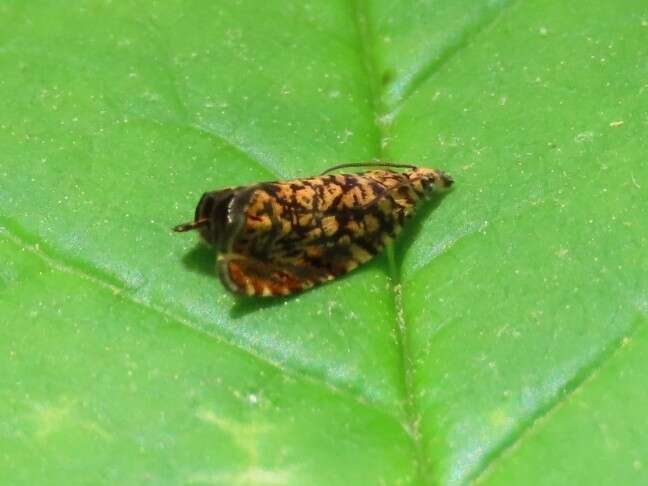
(212, 207)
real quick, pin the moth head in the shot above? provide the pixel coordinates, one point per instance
(212, 207)
(211, 216)
(434, 179)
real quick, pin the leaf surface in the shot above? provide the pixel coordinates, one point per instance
(503, 332)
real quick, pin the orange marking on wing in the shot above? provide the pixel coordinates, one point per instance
(254, 277)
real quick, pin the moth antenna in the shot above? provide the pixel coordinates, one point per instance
(192, 225)
(369, 164)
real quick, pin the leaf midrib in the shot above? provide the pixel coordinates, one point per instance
(410, 422)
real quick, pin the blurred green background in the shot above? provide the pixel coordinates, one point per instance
(503, 340)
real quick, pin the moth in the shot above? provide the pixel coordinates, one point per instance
(281, 237)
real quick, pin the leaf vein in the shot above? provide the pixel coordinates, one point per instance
(410, 421)
(119, 290)
(584, 375)
(432, 65)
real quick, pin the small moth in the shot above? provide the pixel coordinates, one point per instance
(281, 237)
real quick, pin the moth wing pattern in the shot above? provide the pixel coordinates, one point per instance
(249, 275)
(282, 237)
(288, 244)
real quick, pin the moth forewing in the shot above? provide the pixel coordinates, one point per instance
(277, 238)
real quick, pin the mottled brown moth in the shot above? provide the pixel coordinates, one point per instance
(281, 237)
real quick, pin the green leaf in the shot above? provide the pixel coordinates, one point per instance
(502, 340)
